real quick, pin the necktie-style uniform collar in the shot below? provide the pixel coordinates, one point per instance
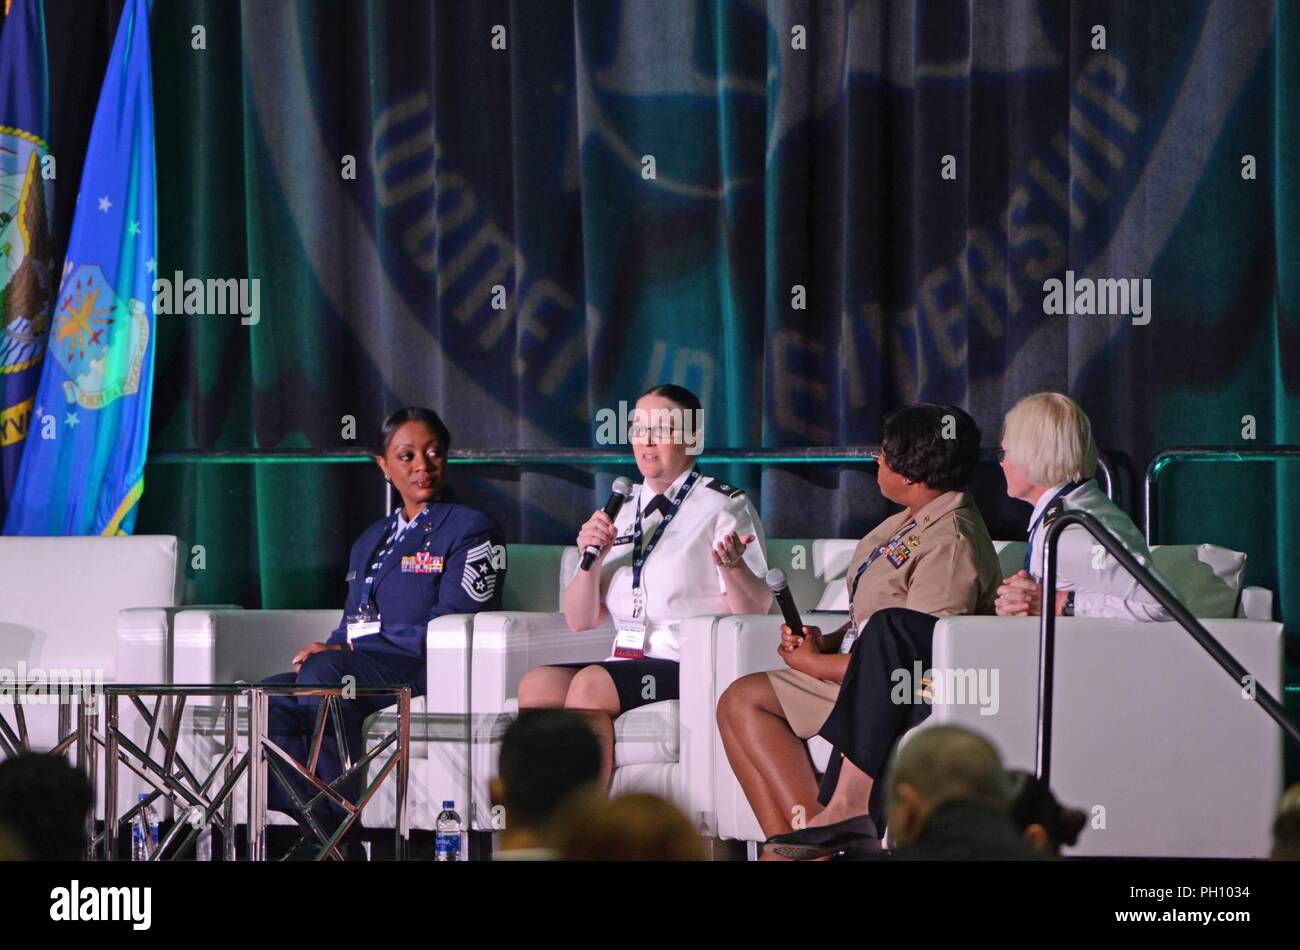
(659, 504)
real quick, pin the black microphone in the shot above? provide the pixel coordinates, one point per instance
(781, 590)
(618, 494)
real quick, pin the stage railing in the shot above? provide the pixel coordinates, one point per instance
(1166, 598)
(809, 455)
(1202, 453)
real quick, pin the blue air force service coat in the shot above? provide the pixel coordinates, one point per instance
(450, 560)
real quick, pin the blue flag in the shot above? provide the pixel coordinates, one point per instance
(82, 471)
(26, 250)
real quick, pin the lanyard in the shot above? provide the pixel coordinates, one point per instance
(871, 559)
(638, 556)
(1029, 549)
(383, 552)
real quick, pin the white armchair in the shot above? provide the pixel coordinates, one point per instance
(60, 617)
(1147, 727)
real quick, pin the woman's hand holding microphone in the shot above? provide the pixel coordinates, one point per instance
(598, 531)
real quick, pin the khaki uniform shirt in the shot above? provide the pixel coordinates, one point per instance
(944, 565)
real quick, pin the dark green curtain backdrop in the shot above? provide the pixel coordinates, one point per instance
(774, 166)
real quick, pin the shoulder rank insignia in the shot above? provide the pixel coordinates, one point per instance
(729, 490)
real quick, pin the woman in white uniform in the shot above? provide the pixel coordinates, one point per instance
(682, 545)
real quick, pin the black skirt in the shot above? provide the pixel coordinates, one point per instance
(630, 680)
(865, 724)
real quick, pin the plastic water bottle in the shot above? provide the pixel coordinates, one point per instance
(144, 823)
(447, 844)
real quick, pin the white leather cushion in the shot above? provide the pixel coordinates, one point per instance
(64, 594)
(532, 577)
(647, 734)
(1206, 577)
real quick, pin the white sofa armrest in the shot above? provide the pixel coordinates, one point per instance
(1139, 710)
(145, 640)
(475, 663)
(739, 644)
(746, 643)
(507, 644)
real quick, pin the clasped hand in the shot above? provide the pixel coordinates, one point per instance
(1022, 596)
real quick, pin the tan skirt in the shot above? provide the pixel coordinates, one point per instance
(805, 700)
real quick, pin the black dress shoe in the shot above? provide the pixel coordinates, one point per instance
(853, 834)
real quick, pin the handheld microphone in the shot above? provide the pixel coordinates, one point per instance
(781, 590)
(618, 494)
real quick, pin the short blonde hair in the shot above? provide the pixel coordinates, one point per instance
(1049, 438)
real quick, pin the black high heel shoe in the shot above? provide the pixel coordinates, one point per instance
(856, 834)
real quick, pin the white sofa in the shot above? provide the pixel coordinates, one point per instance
(1151, 737)
(226, 645)
(671, 748)
(61, 610)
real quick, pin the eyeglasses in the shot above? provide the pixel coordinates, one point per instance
(641, 433)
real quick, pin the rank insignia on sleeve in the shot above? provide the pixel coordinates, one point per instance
(482, 563)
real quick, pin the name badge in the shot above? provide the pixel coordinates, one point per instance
(850, 635)
(363, 623)
(630, 642)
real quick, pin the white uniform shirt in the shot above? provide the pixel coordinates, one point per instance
(1103, 588)
(679, 579)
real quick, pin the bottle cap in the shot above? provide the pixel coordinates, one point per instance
(448, 804)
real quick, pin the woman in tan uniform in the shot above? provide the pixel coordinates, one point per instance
(935, 556)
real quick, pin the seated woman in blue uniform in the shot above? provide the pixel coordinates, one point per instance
(708, 558)
(431, 557)
(1048, 458)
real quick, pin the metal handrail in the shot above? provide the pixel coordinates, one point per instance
(1163, 595)
(1202, 453)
